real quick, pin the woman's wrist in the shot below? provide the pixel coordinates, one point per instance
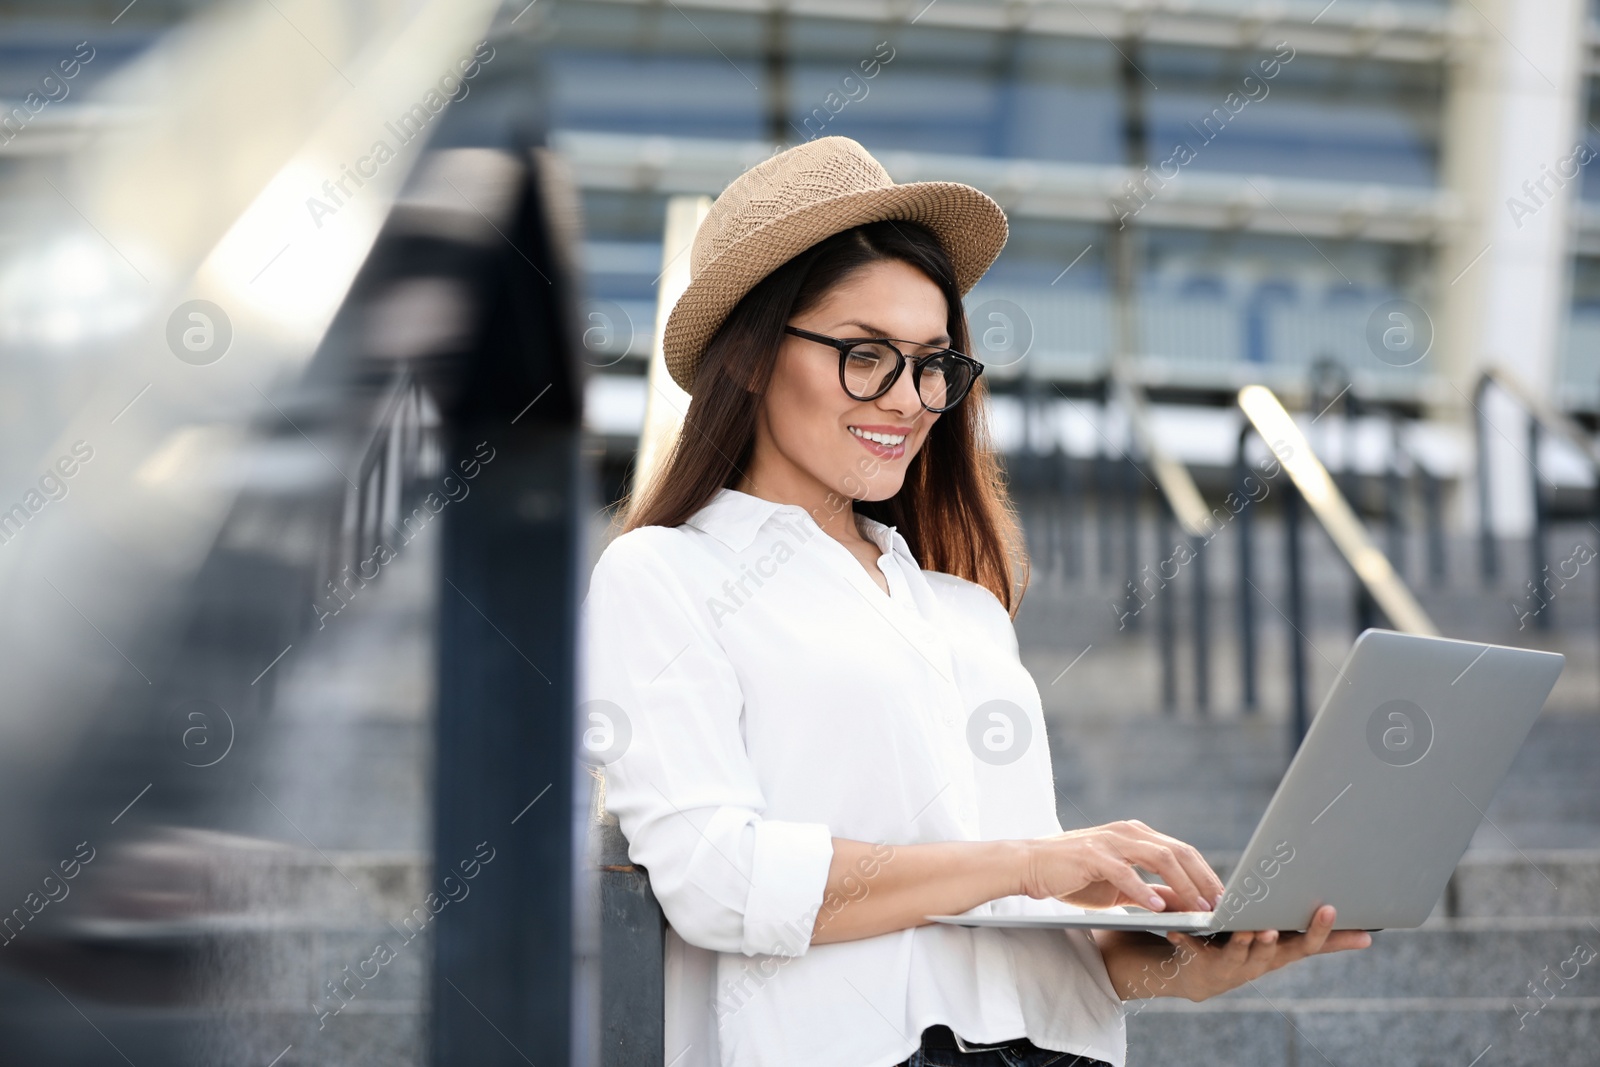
(1019, 867)
(995, 869)
(1141, 965)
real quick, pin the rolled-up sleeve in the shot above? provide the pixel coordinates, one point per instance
(678, 776)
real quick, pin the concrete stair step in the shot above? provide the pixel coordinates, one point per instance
(1564, 882)
(1444, 959)
(374, 1034)
(1484, 989)
(1440, 990)
(1454, 1033)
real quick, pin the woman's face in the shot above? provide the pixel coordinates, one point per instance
(811, 424)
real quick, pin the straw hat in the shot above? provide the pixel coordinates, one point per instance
(784, 205)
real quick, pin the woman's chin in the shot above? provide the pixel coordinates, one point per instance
(878, 489)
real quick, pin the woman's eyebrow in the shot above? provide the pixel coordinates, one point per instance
(874, 331)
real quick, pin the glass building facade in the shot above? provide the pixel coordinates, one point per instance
(1226, 288)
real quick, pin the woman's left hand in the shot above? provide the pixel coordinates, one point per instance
(1206, 969)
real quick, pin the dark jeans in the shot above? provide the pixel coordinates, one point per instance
(939, 1049)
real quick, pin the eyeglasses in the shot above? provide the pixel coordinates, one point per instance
(869, 367)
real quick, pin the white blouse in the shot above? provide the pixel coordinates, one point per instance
(754, 693)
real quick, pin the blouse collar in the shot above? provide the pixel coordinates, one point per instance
(734, 518)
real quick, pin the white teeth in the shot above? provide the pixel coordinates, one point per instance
(885, 439)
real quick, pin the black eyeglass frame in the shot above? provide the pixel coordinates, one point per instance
(845, 344)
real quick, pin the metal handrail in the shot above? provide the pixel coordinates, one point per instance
(1550, 417)
(1186, 504)
(1545, 416)
(1173, 478)
(1311, 482)
(1270, 419)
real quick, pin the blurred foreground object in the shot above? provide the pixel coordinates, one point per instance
(289, 754)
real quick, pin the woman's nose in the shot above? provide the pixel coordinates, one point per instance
(902, 396)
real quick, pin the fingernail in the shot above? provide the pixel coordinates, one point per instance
(1155, 902)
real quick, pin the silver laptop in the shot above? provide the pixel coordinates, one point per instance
(1382, 798)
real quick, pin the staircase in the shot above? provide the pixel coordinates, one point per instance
(1496, 975)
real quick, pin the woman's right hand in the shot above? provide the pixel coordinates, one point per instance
(1095, 868)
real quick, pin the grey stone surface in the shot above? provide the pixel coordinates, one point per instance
(1208, 1039)
(381, 1034)
(1444, 961)
(1535, 882)
(340, 955)
(1459, 1035)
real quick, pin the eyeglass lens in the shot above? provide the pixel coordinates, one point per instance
(943, 381)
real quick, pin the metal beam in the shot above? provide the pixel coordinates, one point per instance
(1028, 188)
(1352, 29)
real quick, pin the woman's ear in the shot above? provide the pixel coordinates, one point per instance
(742, 372)
(743, 375)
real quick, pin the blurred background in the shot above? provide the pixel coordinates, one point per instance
(329, 340)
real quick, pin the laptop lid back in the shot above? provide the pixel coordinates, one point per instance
(1394, 775)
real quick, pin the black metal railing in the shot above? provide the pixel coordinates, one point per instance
(1544, 421)
(1057, 489)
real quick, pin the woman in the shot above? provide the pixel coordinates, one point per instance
(802, 674)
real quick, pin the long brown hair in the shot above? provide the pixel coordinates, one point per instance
(953, 509)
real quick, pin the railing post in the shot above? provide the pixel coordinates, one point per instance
(1130, 522)
(1296, 613)
(1247, 615)
(1433, 518)
(1488, 556)
(1167, 619)
(1536, 545)
(632, 947)
(1394, 501)
(1071, 510)
(1366, 609)
(1103, 478)
(1202, 629)
(506, 730)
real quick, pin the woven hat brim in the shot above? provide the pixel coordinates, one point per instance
(970, 227)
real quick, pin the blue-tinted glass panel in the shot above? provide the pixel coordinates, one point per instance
(1578, 383)
(1312, 118)
(966, 93)
(1054, 253)
(684, 96)
(669, 70)
(1590, 135)
(909, 108)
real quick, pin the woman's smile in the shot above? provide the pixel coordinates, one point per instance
(886, 442)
